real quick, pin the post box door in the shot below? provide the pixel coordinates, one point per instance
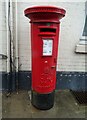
(44, 57)
(47, 65)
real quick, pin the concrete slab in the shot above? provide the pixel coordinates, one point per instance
(19, 106)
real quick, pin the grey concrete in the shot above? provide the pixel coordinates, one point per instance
(19, 106)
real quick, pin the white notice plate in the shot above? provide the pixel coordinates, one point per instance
(47, 47)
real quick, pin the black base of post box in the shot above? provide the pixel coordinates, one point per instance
(42, 101)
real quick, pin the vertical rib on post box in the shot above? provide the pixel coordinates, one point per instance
(44, 43)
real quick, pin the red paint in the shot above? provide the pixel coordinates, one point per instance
(44, 25)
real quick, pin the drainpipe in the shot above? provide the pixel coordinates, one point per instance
(12, 44)
(16, 48)
(9, 57)
(8, 44)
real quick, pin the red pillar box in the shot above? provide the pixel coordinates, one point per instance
(44, 43)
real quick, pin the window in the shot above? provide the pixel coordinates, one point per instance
(81, 47)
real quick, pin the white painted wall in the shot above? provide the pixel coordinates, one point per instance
(71, 30)
(2, 35)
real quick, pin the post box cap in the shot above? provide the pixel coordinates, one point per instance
(42, 13)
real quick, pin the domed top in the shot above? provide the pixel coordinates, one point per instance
(42, 13)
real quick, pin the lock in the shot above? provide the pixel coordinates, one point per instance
(53, 66)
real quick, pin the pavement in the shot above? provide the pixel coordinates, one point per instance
(19, 106)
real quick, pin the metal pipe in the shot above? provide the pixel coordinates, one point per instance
(12, 27)
(12, 44)
(9, 54)
(16, 46)
(8, 45)
(11, 31)
(8, 40)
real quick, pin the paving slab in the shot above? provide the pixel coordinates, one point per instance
(19, 106)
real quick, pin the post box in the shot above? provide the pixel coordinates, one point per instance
(45, 24)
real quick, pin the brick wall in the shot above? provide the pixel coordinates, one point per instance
(71, 30)
(3, 32)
